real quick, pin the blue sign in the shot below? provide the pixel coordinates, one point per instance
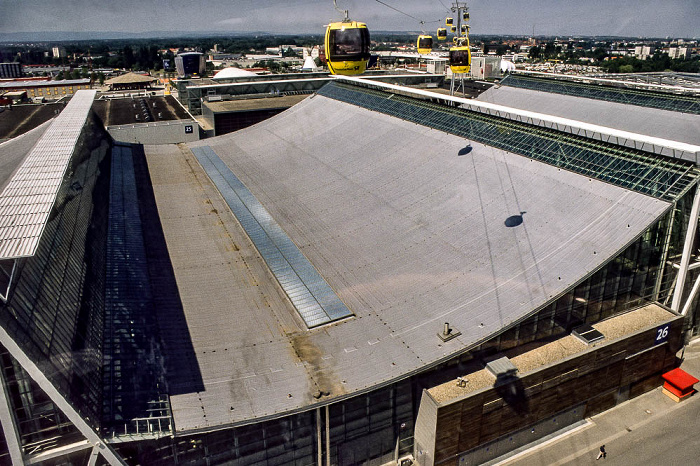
(662, 334)
(166, 64)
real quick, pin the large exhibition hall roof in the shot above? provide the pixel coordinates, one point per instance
(410, 226)
(667, 124)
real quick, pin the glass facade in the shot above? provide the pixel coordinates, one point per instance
(56, 302)
(135, 399)
(664, 101)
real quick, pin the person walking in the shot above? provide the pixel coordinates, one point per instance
(602, 453)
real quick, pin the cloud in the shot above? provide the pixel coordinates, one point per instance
(231, 21)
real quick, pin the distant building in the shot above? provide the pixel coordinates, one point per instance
(284, 48)
(46, 89)
(314, 52)
(436, 65)
(485, 67)
(643, 51)
(130, 81)
(678, 52)
(10, 70)
(59, 52)
(190, 64)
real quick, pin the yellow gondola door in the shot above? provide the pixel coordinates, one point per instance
(347, 47)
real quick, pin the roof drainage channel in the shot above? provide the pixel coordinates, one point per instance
(313, 298)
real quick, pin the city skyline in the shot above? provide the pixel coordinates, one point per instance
(628, 18)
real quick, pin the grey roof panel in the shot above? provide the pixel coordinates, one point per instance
(292, 270)
(408, 233)
(665, 124)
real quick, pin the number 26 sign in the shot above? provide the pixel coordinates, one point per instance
(662, 334)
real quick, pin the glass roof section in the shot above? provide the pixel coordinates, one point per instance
(313, 298)
(677, 103)
(27, 200)
(657, 176)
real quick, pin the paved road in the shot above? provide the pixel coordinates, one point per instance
(647, 430)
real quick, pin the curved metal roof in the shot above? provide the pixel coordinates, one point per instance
(407, 224)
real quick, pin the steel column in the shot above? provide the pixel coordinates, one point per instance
(319, 441)
(57, 398)
(687, 251)
(328, 438)
(691, 297)
(9, 425)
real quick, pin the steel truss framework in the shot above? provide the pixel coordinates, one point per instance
(640, 171)
(92, 439)
(643, 98)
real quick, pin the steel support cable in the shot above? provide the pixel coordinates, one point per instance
(404, 13)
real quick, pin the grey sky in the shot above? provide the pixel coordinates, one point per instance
(647, 18)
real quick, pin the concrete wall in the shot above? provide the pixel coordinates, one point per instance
(424, 434)
(594, 380)
(162, 132)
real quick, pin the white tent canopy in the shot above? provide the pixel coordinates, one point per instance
(232, 72)
(309, 65)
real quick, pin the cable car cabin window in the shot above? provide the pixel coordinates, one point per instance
(350, 44)
(425, 43)
(460, 57)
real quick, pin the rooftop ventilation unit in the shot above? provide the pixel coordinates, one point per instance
(501, 367)
(587, 334)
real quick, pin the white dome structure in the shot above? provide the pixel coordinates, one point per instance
(232, 72)
(507, 66)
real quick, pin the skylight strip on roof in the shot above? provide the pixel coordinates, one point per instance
(31, 193)
(313, 298)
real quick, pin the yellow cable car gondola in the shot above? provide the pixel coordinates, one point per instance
(461, 56)
(449, 21)
(347, 46)
(464, 29)
(453, 29)
(465, 16)
(442, 33)
(424, 44)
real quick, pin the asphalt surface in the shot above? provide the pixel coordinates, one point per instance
(649, 429)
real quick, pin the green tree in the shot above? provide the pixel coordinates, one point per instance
(535, 53)
(129, 59)
(626, 69)
(288, 52)
(550, 50)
